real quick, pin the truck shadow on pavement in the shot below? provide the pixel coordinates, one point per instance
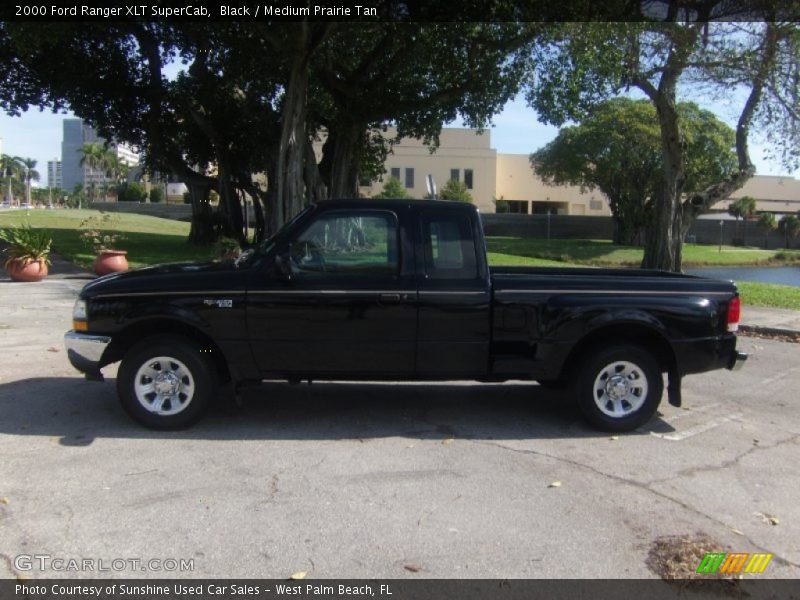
(78, 412)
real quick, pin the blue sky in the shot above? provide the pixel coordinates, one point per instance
(516, 130)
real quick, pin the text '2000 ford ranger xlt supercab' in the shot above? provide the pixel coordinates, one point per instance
(398, 290)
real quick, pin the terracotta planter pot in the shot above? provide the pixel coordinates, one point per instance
(20, 270)
(110, 261)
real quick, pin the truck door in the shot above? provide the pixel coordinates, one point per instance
(454, 295)
(349, 305)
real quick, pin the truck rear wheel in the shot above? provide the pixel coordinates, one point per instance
(165, 383)
(619, 387)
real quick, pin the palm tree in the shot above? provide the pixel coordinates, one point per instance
(94, 156)
(28, 165)
(116, 169)
(744, 207)
(10, 170)
(790, 225)
(767, 222)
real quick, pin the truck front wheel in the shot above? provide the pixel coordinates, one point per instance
(619, 387)
(165, 383)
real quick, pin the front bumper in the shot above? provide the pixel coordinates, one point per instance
(85, 352)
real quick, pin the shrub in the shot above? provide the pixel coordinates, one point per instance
(27, 244)
(455, 190)
(226, 247)
(393, 188)
(156, 194)
(131, 192)
(95, 234)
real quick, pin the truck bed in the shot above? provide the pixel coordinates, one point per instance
(611, 281)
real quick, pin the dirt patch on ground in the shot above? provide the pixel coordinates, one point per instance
(770, 334)
(676, 559)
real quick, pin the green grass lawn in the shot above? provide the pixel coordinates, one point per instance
(604, 253)
(151, 240)
(768, 294)
(513, 251)
(148, 240)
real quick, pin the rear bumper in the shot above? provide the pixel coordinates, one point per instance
(85, 352)
(737, 360)
(708, 354)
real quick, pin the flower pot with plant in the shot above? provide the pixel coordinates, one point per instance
(97, 236)
(28, 252)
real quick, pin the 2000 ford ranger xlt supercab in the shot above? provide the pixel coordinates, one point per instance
(398, 290)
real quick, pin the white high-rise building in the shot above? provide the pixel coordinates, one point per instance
(55, 177)
(76, 134)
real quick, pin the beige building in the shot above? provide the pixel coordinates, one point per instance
(527, 194)
(468, 156)
(463, 154)
(775, 194)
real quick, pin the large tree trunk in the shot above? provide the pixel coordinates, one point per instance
(290, 189)
(665, 251)
(230, 206)
(315, 187)
(201, 232)
(663, 241)
(341, 158)
(260, 199)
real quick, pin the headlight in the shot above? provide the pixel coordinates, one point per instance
(79, 315)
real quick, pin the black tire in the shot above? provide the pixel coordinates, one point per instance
(183, 382)
(618, 387)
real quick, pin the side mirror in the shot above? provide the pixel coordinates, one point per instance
(283, 265)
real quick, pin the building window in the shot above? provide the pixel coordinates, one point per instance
(409, 178)
(454, 174)
(519, 207)
(468, 178)
(396, 173)
(595, 205)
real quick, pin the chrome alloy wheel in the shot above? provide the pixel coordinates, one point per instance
(620, 389)
(164, 386)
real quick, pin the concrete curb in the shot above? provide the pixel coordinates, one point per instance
(770, 331)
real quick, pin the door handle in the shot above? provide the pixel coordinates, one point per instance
(390, 298)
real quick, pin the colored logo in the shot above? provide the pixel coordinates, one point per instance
(733, 563)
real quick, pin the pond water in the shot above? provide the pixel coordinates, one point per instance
(782, 275)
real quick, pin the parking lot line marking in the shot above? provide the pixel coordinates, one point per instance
(697, 429)
(703, 408)
(776, 377)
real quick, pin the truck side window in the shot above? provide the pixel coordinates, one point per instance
(347, 243)
(449, 247)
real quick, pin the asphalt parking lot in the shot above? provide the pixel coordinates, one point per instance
(387, 481)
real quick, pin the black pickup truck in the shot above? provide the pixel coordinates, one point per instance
(398, 290)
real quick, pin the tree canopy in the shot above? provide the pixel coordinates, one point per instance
(703, 47)
(616, 148)
(251, 98)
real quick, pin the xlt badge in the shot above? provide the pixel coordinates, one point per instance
(219, 303)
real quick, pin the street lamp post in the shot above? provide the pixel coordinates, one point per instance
(27, 187)
(721, 224)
